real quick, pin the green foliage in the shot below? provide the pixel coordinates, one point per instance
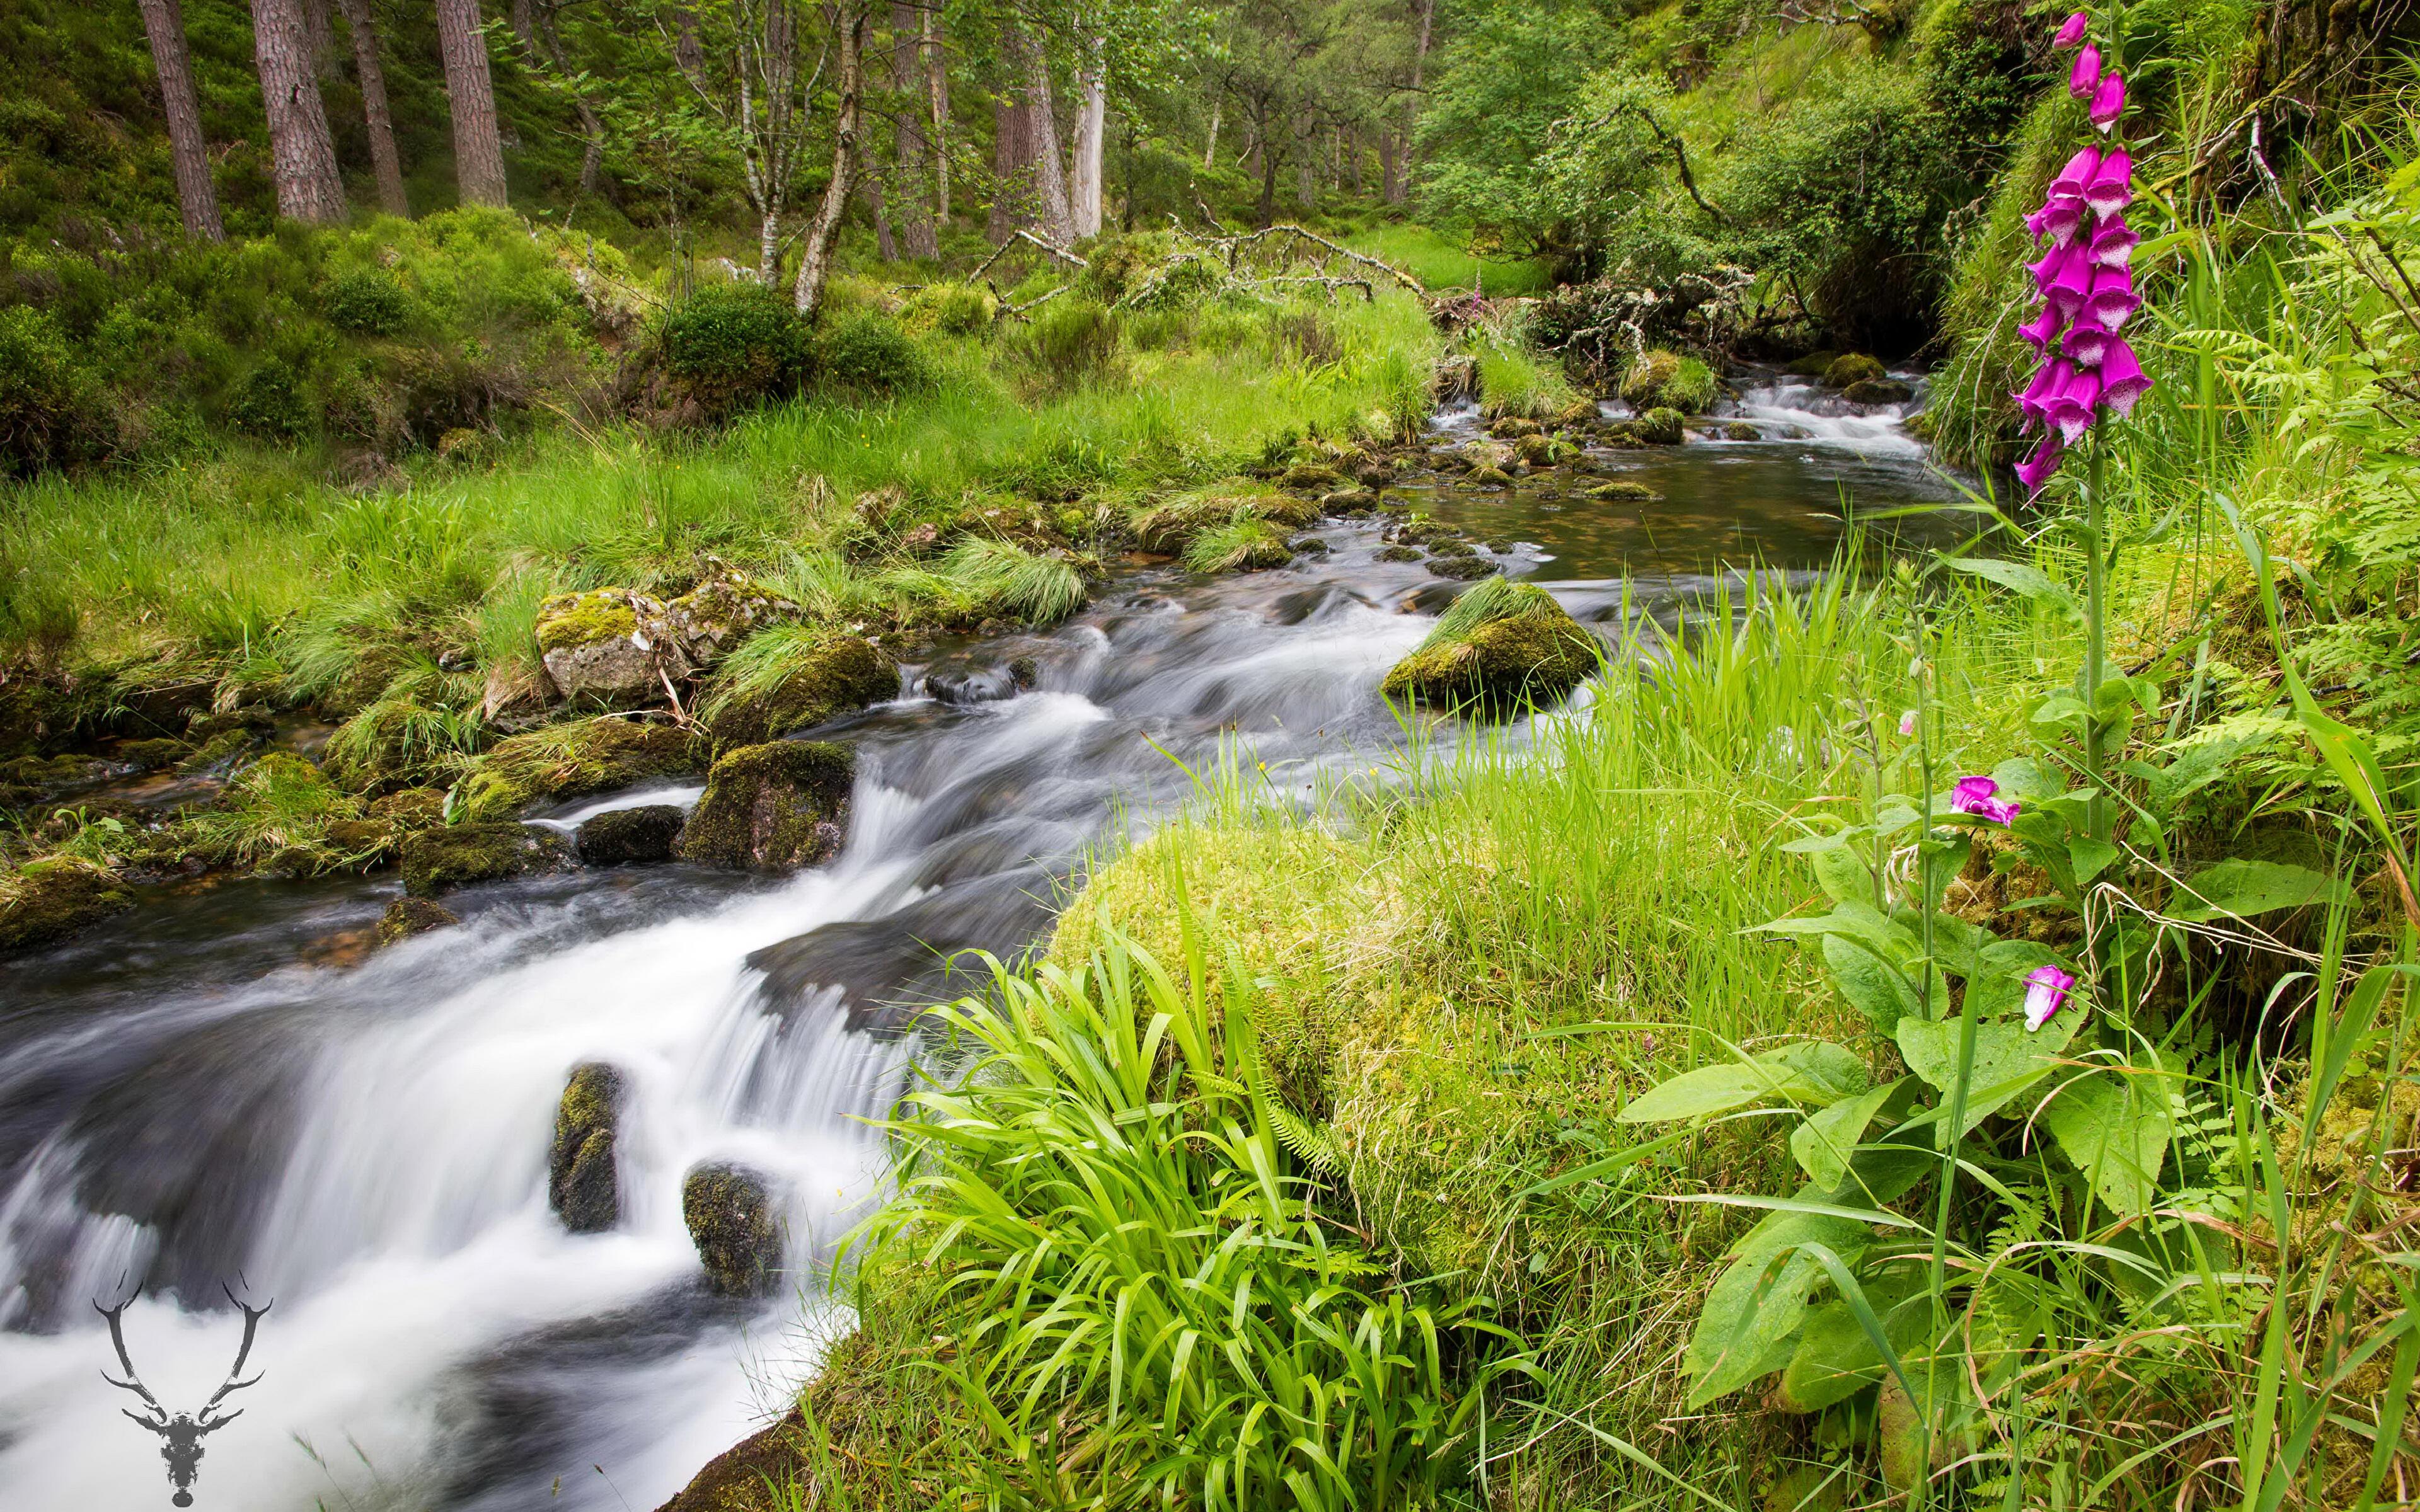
(366, 303)
(1072, 341)
(49, 415)
(733, 346)
(952, 309)
(866, 355)
(1243, 542)
(1001, 577)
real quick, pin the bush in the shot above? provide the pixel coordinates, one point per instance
(734, 345)
(868, 354)
(1071, 340)
(955, 309)
(270, 403)
(49, 413)
(367, 303)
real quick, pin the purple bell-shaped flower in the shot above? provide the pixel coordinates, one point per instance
(2087, 341)
(2069, 410)
(2070, 282)
(2108, 102)
(2036, 470)
(2112, 299)
(2112, 243)
(2034, 404)
(2041, 330)
(2070, 31)
(2122, 379)
(2111, 187)
(2084, 77)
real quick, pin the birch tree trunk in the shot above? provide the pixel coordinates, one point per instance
(1210, 153)
(814, 259)
(916, 232)
(471, 92)
(303, 160)
(1085, 187)
(164, 20)
(937, 79)
(374, 108)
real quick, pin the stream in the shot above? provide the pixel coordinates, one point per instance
(220, 1091)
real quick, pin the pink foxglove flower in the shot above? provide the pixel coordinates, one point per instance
(2111, 187)
(2087, 341)
(2035, 402)
(2112, 243)
(2078, 172)
(2040, 332)
(2112, 299)
(1980, 796)
(1907, 723)
(2036, 470)
(2046, 990)
(2070, 31)
(2108, 100)
(2072, 284)
(2122, 379)
(2084, 77)
(2070, 410)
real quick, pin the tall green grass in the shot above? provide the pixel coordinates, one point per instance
(1444, 264)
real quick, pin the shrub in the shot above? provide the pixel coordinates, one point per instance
(367, 303)
(1072, 340)
(734, 345)
(270, 403)
(955, 309)
(49, 412)
(868, 354)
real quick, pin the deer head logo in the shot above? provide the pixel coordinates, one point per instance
(180, 1433)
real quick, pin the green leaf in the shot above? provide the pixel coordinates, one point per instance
(1825, 1143)
(2088, 857)
(1842, 872)
(2115, 1125)
(2008, 1060)
(1748, 1326)
(1808, 1072)
(1868, 984)
(2019, 579)
(1836, 1357)
(2239, 889)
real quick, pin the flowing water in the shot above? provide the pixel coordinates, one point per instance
(219, 1092)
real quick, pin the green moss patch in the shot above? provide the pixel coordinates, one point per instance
(772, 808)
(572, 620)
(438, 860)
(570, 760)
(45, 902)
(788, 680)
(1501, 648)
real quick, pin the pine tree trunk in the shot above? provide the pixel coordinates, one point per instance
(688, 49)
(471, 92)
(196, 195)
(1085, 187)
(869, 186)
(1010, 190)
(374, 109)
(322, 33)
(814, 259)
(937, 83)
(916, 232)
(303, 160)
(1050, 168)
(1398, 182)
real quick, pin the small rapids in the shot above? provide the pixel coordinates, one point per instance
(222, 1091)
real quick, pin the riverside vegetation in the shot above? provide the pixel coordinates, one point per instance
(1694, 1095)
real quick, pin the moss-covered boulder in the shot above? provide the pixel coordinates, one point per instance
(44, 901)
(1878, 391)
(1487, 454)
(1464, 569)
(1346, 501)
(1813, 365)
(811, 679)
(630, 836)
(765, 1471)
(1853, 367)
(1660, 428)
(581, 1184)
(152, 755)
(408, 915)
(1311, 477)
(595, 647)
(772, 808)
(1623, 489)
(1667, 380)
(1502, 647)
(1397, 553)
(733, 1220)
(1489, 478)
(574, 759)
(1170, 524)
(1541, 451)
(715, 617)
(436, 861)
(1512, 426)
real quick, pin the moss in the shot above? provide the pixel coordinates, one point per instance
(1487, 477)
(624, 836)
(772, 807)
(1813, 365)
(1312, 477)
(1667, 380)
(438, 859)
(407, 917)
(730, 1213)
(583, 1186)
(1660, 428)
(410, 807)
(1622, 489)
(570, 760)
(570, 620)
(1464, 569)
(1171, 524)
(219, 752)
(152, 755)
(1878, 391)
(1854, 367)
(1397, 553)
(811, 685)
(1498, 653)
(1454, 548)
(1349, 501)
(1541, 451)
(44, 901)
(765, 1472)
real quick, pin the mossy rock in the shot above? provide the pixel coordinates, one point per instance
(1578, 412)
(1375, 474)
(1489, 478)
(1541, 451)
(838, 674)
(435, 860)
(1311, 477)
(582, 1183)
(152, 755)
(219, 753)
(1397, 553)
(1171, 524)
(765, 1471)
(1661, 427)
(730, 1212)
(1454, 548)
(1740, 431)
(1500, 648)
(1623, 489)
(1487, 454)
(629, 836)
(574, 759)
(1463, 569)
(410, 807)
(1812, 366)
(1853, 367)
(772, 808)
(594, 647)
(718, 614)
(1512, 425)
(44, 901)
(408, 915)
(1308, 544)
(1878, 391)
(1348, 502)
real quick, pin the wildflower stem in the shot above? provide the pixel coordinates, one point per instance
(2095, 631)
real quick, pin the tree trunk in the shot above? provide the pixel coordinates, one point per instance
(525, 26)
(1210, 153)
(1050, 168)
(877, 208)
(303, 160)
(916, 232)
(688, 49)
(374, 109)
(1084, 186)
(1010, 152)
(322, 33)
(814, 259)
(471, 92)
(1400, 186)
(936, 83)
(164, 20)
(1390, 170)
(1269, 183)
(592, 126)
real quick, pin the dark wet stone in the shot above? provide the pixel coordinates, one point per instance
(628, 836)
(407, 917)
(772, 808)
(436, 861)
(730, 1212)
(581, 1184)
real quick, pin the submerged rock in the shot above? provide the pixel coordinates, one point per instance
(435, 860)
(818, 681)
(582, 1183)
(1502, 647)
(574, 759)
(628, 837)
(408, 915)
(772, 808)
(45, 902)
(730, 1213)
